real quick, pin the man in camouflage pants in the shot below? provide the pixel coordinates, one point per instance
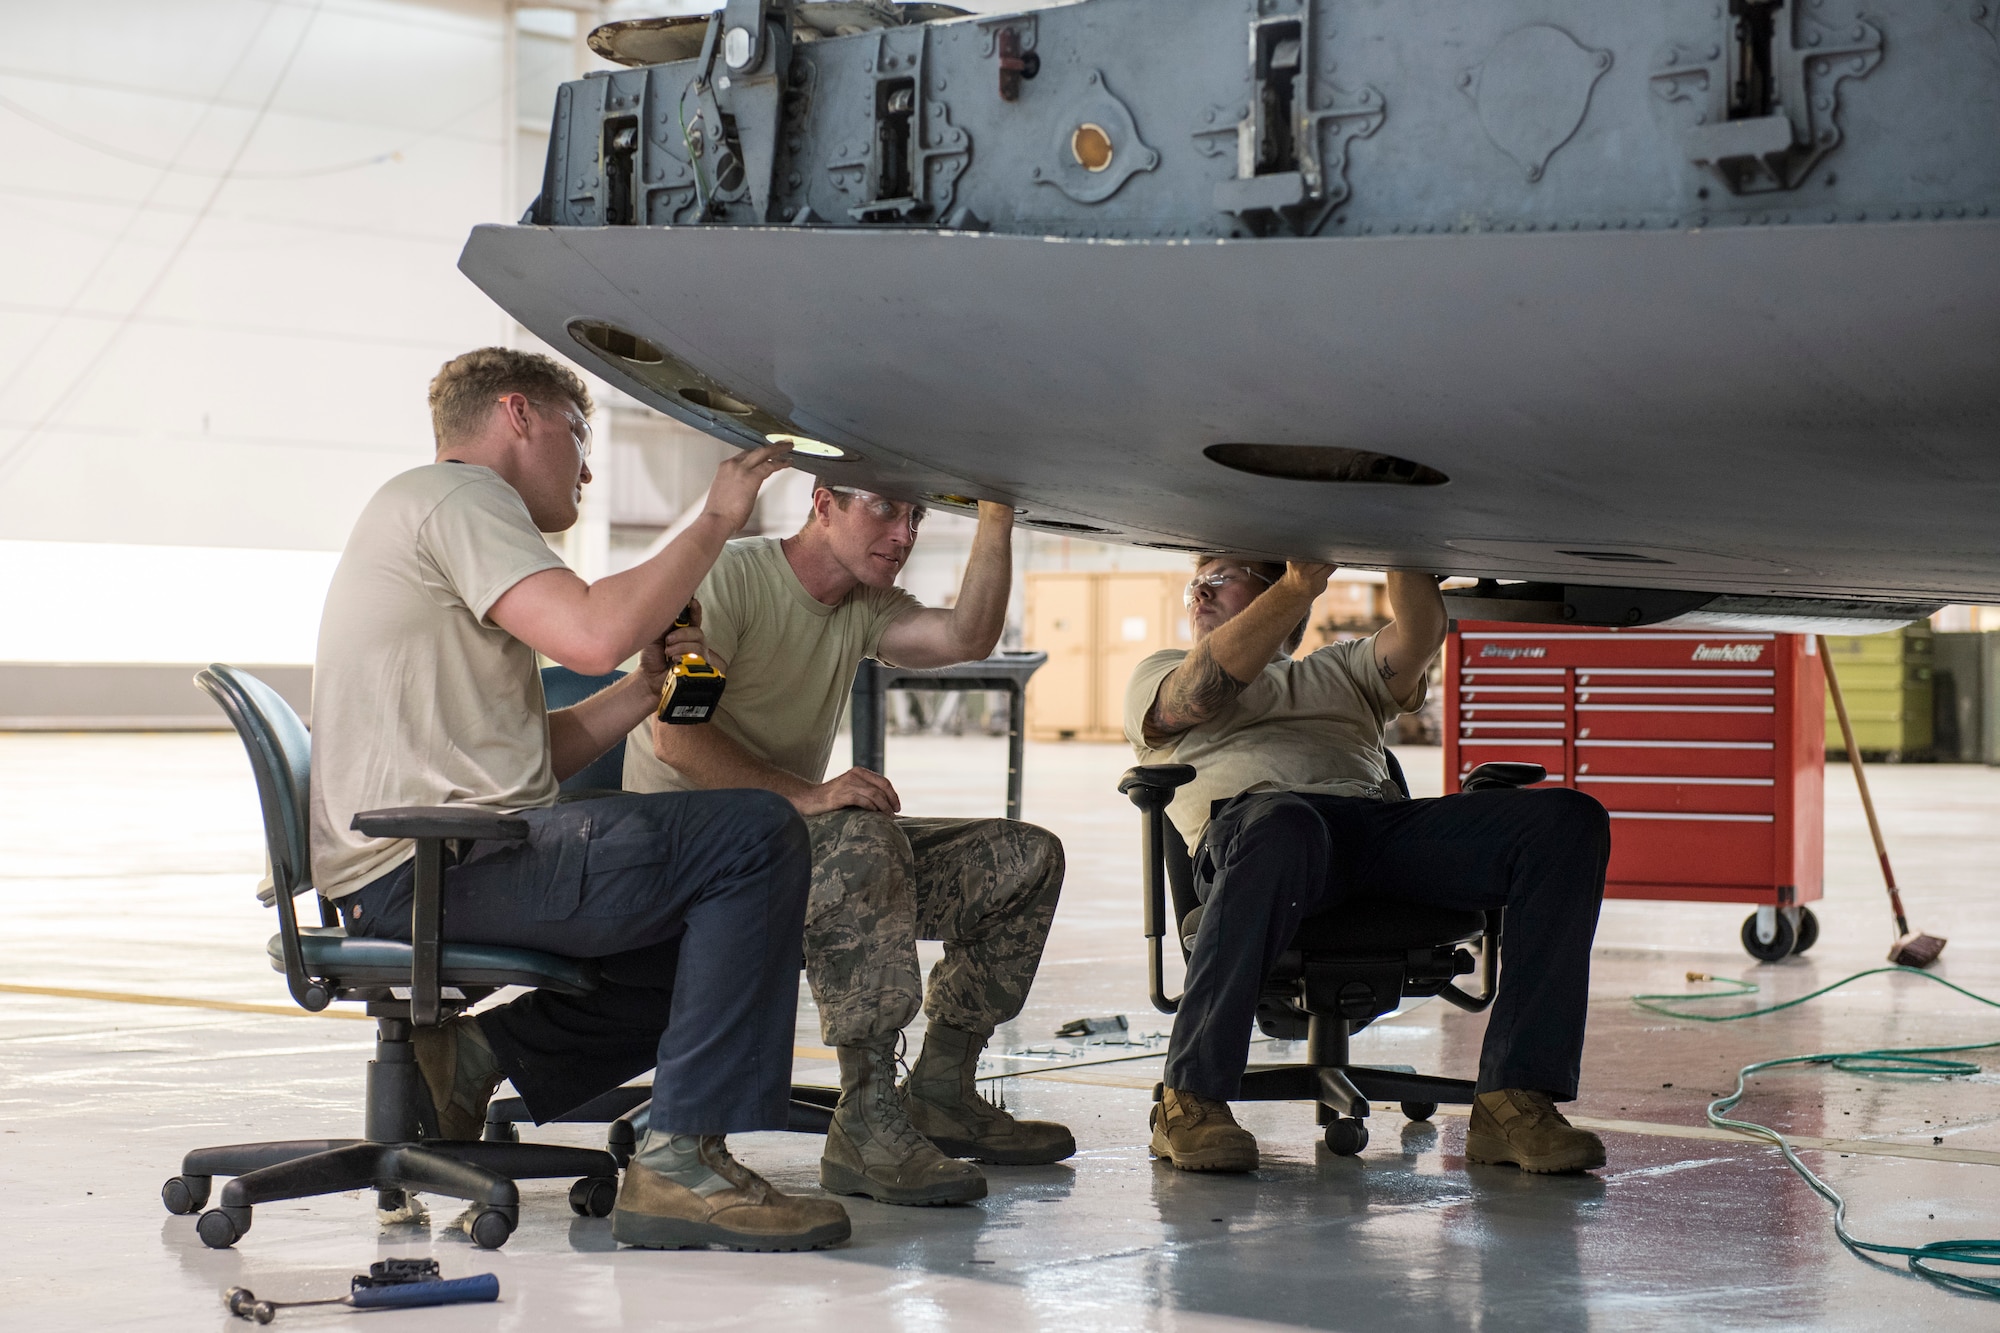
(796, 617)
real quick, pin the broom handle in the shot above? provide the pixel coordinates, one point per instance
(1861, 781)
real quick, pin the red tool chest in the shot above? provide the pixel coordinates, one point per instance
(1707, 749)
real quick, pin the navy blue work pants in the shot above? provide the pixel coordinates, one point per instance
(1269, 860)
(694, 901)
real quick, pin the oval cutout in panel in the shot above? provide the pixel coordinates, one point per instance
(1061, 526)
(614, 341)
(967, 503)
(714, 400)
(1323, 462)
(811, 448)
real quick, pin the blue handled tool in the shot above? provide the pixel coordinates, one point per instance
(243, 1302)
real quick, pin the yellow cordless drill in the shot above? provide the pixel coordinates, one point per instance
(694, 686)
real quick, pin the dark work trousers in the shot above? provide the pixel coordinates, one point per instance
(717, 878)
(1268, 860)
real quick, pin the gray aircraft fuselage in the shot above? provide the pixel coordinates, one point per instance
(1639, 295)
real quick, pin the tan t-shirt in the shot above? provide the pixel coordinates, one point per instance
(789, 660)
(1308, 724)
(417, 699)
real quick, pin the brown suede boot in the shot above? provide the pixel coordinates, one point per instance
(460, 1071)
(873, 1149)
(1196, 1133)
(731, 1206)
(942, 1094)
(1514, 1125)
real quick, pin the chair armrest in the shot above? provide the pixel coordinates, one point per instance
(1492, 777)
(1151, 786)
(431, 826)
(442, 821)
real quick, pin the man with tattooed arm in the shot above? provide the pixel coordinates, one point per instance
(1292, 811)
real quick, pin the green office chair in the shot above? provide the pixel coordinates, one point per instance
(1345, 968)
(399, 1152)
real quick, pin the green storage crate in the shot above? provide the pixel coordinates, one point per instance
(1886, 680)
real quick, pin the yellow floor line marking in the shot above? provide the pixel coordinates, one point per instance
(1091, 1078)
(178, 1002)
(241, 1007)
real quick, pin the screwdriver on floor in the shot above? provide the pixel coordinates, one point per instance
(243, 1302)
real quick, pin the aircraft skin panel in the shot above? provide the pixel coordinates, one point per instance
(1805, 410)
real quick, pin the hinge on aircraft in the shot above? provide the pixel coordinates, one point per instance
(1766, 95)
(1290, 142)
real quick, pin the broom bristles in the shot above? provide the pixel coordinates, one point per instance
(1916, 950)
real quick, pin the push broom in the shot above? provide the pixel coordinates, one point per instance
(1912, 948)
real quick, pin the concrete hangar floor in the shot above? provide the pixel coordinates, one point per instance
(126, 869)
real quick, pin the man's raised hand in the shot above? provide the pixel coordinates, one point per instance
(733, 493)
(1306, 579)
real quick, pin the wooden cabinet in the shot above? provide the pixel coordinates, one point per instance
(1096, 628)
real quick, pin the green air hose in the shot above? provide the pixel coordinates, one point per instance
(1920, 1061)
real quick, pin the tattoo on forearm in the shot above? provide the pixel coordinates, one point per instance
(1198, 689)
(1383, 669)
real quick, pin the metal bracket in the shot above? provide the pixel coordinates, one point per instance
(1011, 41)
(1283, 158)
(1760, 149)
(912, 163)
(756, 48)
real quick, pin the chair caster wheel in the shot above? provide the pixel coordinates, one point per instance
(219, 1228)
(1419, 1110)
(491, 1228)
(593, 1196)
(1346, 1136)
(185, 1194)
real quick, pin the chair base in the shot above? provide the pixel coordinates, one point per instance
(623, 1109)
(481, 1173)
(1348, 1089)
(1342, 1091)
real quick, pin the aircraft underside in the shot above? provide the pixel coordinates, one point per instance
(1701, 378)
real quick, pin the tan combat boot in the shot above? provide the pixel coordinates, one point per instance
(735, 1208)
(460, 1071)
(942, 1094)
(873, 1149)
(1513, 1125)
(1197, 1133)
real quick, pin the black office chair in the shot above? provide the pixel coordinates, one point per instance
(1346, 968)
(399, 1152)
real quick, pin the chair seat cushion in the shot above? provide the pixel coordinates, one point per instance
(1374, 926)
(1381, 926)
(347, 960)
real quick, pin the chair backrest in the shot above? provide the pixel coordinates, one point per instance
(1180, 862)
(561, 688)
(280, 751)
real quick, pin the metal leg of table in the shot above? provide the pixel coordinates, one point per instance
(1017, 725)
(869, 718)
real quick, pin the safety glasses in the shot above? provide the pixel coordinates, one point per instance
(885, 511)
(1219, 580)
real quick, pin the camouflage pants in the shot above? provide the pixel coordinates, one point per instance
(986, 887)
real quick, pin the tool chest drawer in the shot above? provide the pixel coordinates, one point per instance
(1706, 749)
